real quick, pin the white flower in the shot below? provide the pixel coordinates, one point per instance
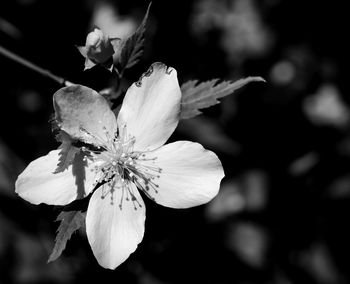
(128, 156)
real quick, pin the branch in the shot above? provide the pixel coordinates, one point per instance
(32, 66)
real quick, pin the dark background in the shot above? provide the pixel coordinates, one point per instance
(283, 209)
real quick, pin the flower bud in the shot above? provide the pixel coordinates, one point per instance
(94, 38)
(98, 49)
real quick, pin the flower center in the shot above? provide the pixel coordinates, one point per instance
(119, 165)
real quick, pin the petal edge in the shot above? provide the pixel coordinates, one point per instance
(190, 175)
(151, 107)
(84, 114)
(114, 233)
(39, 184)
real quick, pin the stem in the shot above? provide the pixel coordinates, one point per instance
(119, 78)
(9, 54)
(117, 85)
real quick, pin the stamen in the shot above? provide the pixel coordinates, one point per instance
(118, 165)
(121, 199)
(144, 176)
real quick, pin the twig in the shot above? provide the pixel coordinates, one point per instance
(9, 54)
(119, 77)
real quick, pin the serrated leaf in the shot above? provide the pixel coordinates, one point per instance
(196, 96)
(132, 47)
(67, 153)
(70, 222)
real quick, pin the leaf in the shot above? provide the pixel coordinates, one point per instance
(132, 47)
(67, 153)
(70, 222)
(197, 96)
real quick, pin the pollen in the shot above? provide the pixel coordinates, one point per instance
(118, 165)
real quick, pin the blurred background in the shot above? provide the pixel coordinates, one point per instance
(282, 213)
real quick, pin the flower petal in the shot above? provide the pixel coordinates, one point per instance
(39, 184)
(84, 114)
(114, 232)
(82, 50)
(190, 175)
(151, 107)
(88, 64)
